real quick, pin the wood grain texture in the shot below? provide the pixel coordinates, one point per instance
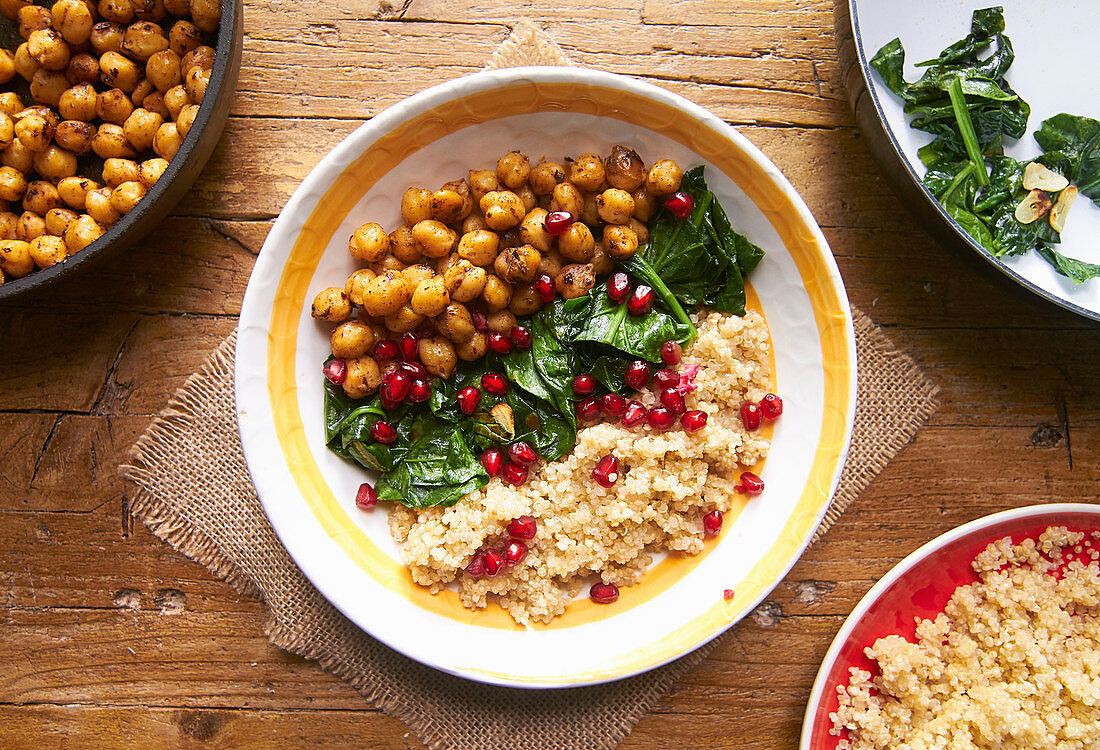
(114, 640)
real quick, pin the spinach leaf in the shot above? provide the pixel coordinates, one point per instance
(641, 336)
(1073, 144)
(436, 467)
(1076, 270)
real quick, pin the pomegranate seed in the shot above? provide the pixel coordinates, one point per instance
(660, 418)
(694, 420)
(415, 370)
(613, 405)
(772, 406)
(544, 287)
(606, 472)
(492, 459)
(641, 300)
(687, 379)
(499, 343)
(588, 409)
(671, 353)
(680, 204)
(521, 337)
(468, 399)
(384, 398)
(481, 323)
(420, 391)
(522, 453)
(584, 384)
(495, 383)
(396, 386)
(727, 594)
(618, 287)
(409, 345)
(635, 414)
(476, 568)
(674, 402)
(557, 222)
(385, 349)
(751, 484)
(637, 374)
(514, 552)
(603, 593)
(751, 416)
(494, 561)
(514, 474)
(666, 379)
(383, 432)
(712, 523)
(335, 371)
(523, 527)
(366, 498)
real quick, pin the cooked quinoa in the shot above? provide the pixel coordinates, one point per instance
(671, 479)
(1012, 662)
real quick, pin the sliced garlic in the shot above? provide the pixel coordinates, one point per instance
(1061, 208)
(1033, 207)
(502, 415)
(1039, 176)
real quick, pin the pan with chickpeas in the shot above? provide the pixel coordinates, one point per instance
(98, 99)
(514, 305)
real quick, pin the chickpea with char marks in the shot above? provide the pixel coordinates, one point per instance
(480, 247)
(566, 197)
(47, 86)
(83, 68)
(13, 184)
(116, 11)
(545, 177)
(624, 169)
(167, 141)
(79, 102)
(455, 323)
(438, 356)
(206, 14)
(58, 220)
(431, 297)
(8, 223)
(575, 280)
(513, 169)
(200, 57)
(196, 82)
(73, 19)
(15, 258)
(331, 304)
(619, 242)
(615, 206)
(29, 226)
(497, 293)
(416, 205)
(185, 36)
(434, 239)
(7, 65)
(127, 195)
(81, 233)
(40, 197)
(74, 190)
(55, 163)
(163, 70)
(517, 264)
(386, 294)
(114, 106)
(471, 281)
(503, 209)
(577, 243)
(533, 230)
(141, 127)
(416, 273)
(49, 48)
(175, 99)
(483, 181)
(587, 172)
(474, 348)
(143, 39)
(25, 65)
(118, 71)
(47, 250)
(356, 285)
(525, 300)
(150, 170)
(369, 243)
(150, 10)
(403, 245)
(34, 132)
(363, 377)
(664, 178)
(98, 205)
(187, 119)
(110, 141)
(403, 319)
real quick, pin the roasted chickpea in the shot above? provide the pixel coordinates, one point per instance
(143, 39)
(206, 14)
(98, 205)
(82, 68)
(525, 300)
(589, 214)
(13, 184)
(196, 82)
(438, 356)
(389, 263)
(386, 294)
(40, 197)
(587, 172)
(58, 220)
(154, 102)
(118, 72)
(114, 106)
(81, 233)
(34, 132)
(403, 245)
(55, 163)
(11, 8)
(431, 297)
(641, 231)
(545, 177)
(566, 197)
(15, 258)
(455, 322)
(501, 321)
(575, 280)
(663, 178)
(167, 141)
(163, 70)
(47, 250)
(503, 209)
(47, 86)
(551, 263)
(577, 243)
(473, 348)
(116, 11)
(480, 247)
(601, 262)
(615, 206)
(74, 191)
(404, 319)
(29, 226)
(356, 285)
(140, 129)
(8, 223)
(331, 304)
(185, 36)
(416, 273)
(79, 102)
(533, 230)
(73, 19)
(106, 37)
(7, 129)
(513, 169)
(75, 136)
(10, 103)
(434, 239)
(416, 205)
(150, 10)
(150, 170)
(483, 181)
(442, 265)
(451, 203)
(517, 265)
(7, 65)
(363, 377)
(25, 65)
(497, 293)
(352, 338)
(18, 156)
(110, 142)
(187, 119)
(200, 57)
(645, 205)
(175, 99)
(624, 169)
(143, 89)
(619, 242)
(48, 47)
(465, 281)
(473, 222)
(127, 195)
(369, 243)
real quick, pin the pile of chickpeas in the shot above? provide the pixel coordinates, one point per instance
(478, 253)
(120, 79)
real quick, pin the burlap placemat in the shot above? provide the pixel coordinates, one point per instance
(190, 486)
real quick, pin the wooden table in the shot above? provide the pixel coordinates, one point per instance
(112, 639)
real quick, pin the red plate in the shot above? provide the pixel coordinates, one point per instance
(919, 587)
